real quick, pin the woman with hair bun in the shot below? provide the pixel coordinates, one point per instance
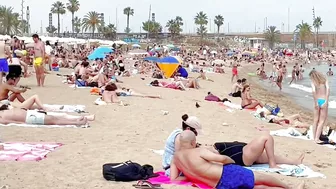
(191, 123)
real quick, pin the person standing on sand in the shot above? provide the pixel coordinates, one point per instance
(279, 77)
(321, 91)
(4, 50)
(39, 54)
(293, 75)
(234, 71)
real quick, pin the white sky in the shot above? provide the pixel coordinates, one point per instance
(240, 14)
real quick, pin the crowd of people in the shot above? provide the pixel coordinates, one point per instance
(219, 165)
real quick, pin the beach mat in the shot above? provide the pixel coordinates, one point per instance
(27, 151)
(288, 170)
(65, 108)
(293, 133)
(163, 179)
(43, 126)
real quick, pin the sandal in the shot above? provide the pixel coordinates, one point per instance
(143, 184)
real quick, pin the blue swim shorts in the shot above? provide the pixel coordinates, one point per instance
(4, 65)
(236, 177)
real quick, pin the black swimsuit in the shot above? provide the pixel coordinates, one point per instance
(232, 149)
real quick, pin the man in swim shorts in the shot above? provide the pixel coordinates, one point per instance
(201, 165)
(20, 116)
(39, 54)
(8, 86)
(4, 51)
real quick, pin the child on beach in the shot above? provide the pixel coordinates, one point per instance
(321, 91)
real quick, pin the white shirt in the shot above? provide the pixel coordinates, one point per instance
(48, 49)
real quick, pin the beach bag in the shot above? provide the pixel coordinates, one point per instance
(127, 171)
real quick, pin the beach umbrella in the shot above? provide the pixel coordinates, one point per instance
(170, 46)
(152, 59)
(136, 46)
(103, 50)
(168, 65)
(213, 52)
(120, 42)
(229, 53)
(94, 55)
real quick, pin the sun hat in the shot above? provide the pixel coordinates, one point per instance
(194, 122)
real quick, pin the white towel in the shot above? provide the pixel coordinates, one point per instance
(44, 126)
(293, 133)
(288, 170)
(79, 87)
(232, 105)
(65, 108)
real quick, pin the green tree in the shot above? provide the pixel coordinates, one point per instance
(9, 21)
(219, 21)
(77, 24)
(175, 26)
(128, 11)
(110, 31)
(73, 6)
(304, 31)
(317, 25)
(92, 20)
(201, 19)
(58, 8)
(272, 35)
(51, 29)
(153, 28)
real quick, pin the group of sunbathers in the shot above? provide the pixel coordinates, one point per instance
(221, 165)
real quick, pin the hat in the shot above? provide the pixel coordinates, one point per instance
(194, 122)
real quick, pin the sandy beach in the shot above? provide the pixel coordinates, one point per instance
(128, 133)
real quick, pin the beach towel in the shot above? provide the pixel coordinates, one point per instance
(26, 151)
(163, 179)
(293, 133)
(79, 87)
(65, 108)
(288, 170)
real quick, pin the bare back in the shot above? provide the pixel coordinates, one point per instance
(195, 168)
(3, 91)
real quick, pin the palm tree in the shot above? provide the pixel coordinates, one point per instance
(128, 11)
(9, 21)
(58, 8)
(109, 31)
(92, 20)
(174, 26)
(77, 24)
(73, 6)
(219, 21)
(317, 25)
(272, 35)
(304, 30)
(201, 19)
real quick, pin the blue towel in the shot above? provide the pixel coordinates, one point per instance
(4, 65)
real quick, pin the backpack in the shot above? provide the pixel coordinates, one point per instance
(127, 171)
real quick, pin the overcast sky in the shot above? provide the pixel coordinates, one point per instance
(240, 15)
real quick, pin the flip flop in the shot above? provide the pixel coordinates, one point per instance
(143, 184)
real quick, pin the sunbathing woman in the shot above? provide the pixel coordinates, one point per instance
(130, 92)
(21, 115)
(202, 76)
(172, 85)
(247, 101)
(321, 91)
(110, 96)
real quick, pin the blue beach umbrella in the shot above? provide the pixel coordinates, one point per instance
(94, 55)
(152, 59)
(170, 59)
(103, 50)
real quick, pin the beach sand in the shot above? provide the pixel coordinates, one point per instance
(128, 133)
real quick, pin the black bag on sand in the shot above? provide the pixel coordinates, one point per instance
(127, 171)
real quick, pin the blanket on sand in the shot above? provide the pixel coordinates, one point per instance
(27, 151)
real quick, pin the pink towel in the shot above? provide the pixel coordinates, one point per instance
(26, 151)
(163, 179)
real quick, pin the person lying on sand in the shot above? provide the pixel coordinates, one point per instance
(214, 98)
(202, 76)
(20, 116)
(172, 85)
(130, 92)
(201, 165)
(189, 83)
(8, 86)
(247, 101)
(31, 103)
(290, 121)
